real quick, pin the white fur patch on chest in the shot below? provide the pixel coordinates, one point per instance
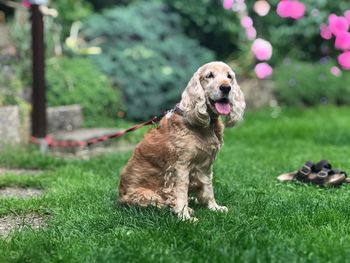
(169, 114)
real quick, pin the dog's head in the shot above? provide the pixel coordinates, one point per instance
(213, 91)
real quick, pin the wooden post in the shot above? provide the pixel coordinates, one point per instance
(38, 71)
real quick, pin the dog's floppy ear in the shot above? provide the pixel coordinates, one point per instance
(193, 102)
(238, 106)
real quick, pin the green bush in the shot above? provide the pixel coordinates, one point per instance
(206, 20)
(78, 81)
(70, 11)
(100, 4)
(307, 84)
(146, 54)
(209, 23)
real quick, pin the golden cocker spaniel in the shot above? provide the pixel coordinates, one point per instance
(177, 157)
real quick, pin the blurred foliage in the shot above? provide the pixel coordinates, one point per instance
(16, 71)
(146, 53)
(209, 23)
(100, 4)
(310, 84)
(78, 81)
(20, 35)
(11, 85)
(71, 11)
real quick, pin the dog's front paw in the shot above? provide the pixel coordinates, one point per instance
(218, 208)
(186, 215)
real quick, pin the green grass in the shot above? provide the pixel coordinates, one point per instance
(267, 221)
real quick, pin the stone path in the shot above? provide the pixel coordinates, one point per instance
(20, 172)
(20, 192)
(89, 152)
(10, 223)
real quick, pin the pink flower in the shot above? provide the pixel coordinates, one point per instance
(263, 70)
(325, 32)
(250, 33)
(283, 8)
(337, 24)
(297, 11)
(336, 71)
(246, 22)
(228, 4)
(347, 15)
(262, 7)
(332, 18)
(26, 3)
(344, 60)
(292, 9)
(262, 49)
(342, 41)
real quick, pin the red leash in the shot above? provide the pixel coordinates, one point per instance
(62, 143)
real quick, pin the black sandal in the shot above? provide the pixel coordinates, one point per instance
(320, 173)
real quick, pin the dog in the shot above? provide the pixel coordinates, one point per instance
(177, 157)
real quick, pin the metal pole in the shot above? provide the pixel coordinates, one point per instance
(38, 70)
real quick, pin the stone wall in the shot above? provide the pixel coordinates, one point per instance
(10, 125)
(15, 125)
(258, 93)
(64, 118)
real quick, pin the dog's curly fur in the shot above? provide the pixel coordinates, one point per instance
(177, 156)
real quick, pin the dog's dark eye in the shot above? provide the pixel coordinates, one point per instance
(229, 76)
(210, 76)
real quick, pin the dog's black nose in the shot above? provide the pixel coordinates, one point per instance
(225, 89)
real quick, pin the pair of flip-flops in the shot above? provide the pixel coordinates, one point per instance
(320, 173)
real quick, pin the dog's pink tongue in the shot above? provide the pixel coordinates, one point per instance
(223, 108)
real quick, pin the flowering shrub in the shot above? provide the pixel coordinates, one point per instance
(261, 48)
(338, 27)
(294, 9)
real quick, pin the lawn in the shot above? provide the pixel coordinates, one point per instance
(267, 221)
